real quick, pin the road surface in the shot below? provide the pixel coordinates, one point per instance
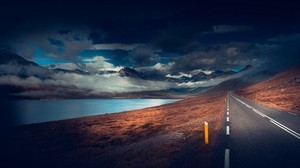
(255, 136)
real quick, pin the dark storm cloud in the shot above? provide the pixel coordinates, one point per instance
(218, 56)
(286, 51)
(176, 40)
(56, 42)
(99, 35)
(64, 31)
(231, 28)
(63, 46)
(143, 56)
(237, 31)
(277, 53)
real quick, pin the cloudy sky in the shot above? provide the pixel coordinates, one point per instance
(167, 37)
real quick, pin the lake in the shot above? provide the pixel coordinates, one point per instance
(37, 111)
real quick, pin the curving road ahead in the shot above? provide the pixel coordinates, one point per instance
(256, 136)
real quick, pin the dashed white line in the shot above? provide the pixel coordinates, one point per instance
(227, 112)
(227, 130)
(226, 159)
(227, 119)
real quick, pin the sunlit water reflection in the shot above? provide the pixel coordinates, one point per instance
(36, 111)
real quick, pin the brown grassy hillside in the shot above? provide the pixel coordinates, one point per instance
(165, 136)
(282, 91)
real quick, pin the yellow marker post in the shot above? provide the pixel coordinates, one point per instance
(206, 132)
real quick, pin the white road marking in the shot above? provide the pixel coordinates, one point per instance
(285, 128)
(227, 112)
(292, 113)
(226, 159)
(258, 112)
(290, 131)
(227, 119)
(227, 130)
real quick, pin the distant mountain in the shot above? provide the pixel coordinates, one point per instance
(13, 64)
(9, 57)
(228, 85)
(219, 73)
(105, 72)
(248, 79)
(130, 72)
(247, 67)
(76, 71)
(200, 77)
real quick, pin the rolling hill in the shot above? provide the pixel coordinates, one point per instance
(281, 91)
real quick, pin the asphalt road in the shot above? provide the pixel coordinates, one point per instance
(255, 136)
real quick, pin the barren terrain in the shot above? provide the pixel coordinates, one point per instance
(170, 135)
(281, 92)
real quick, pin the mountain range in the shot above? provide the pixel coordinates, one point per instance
(13, 67)
(201, 76)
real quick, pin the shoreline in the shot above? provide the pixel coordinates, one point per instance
(158, 134)
(88, 107)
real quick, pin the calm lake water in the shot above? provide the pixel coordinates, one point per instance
(36, 111)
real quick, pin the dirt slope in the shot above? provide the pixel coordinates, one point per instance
(282, 91)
